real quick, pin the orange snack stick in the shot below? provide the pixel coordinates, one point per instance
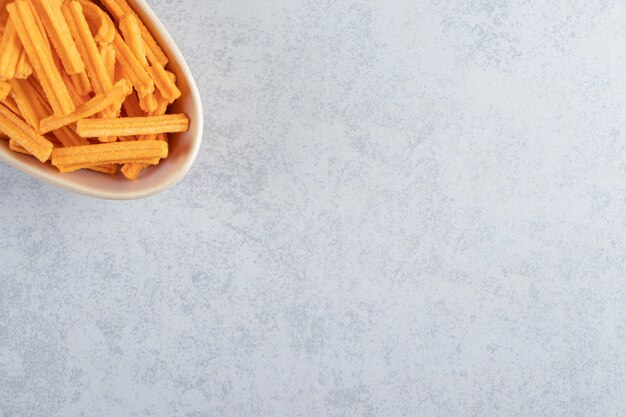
(97, 104)
(34, 82)
(25, 136)
(119, 8)
(95, 167)
(148, 102)
(68, 137)
(109, 153)
(10, 104)
(10, 52)
(133, 126)
(131, 106)
(115, 9)
(110, 169)
(164, 82)
(5, 89)
(4, 16)
(24, 69)
(108, 56)
(70, 81)
(132, 67)
(32, 110)
(94, 64)
(99, 22)
(40, 57)
(13, 145)
(129, 26)
(133, 170)
(81, 83)
(65, 135)
(59, 33)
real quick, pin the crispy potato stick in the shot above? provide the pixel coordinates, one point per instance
(119, 8)
(5, 89)
(163, 81)
(132, 126)
(94, 64)
(32, 110)
(97, 104)
(129, 26)
(60, 35)
(148, 102)
(40, 57)
(24, 69)
(10, 51)
(109, 153)
(25, 136)
(132, 67)
(100, 23)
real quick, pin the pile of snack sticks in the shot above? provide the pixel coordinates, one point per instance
(84, 85)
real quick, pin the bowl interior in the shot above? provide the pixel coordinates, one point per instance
(184, 147)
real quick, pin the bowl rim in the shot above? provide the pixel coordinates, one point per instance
(65, 182)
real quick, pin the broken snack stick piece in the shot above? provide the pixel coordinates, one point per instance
(133, 126)
(97, 104)
(24, 135)
(40, 56)
(109, 153)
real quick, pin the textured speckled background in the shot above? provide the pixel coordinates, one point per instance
(400, 209)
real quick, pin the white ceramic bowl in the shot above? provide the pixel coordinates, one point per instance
(184, 147)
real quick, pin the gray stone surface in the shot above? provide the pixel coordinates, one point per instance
(401, 208)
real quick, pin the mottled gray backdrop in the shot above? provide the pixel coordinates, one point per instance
(401, 208)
